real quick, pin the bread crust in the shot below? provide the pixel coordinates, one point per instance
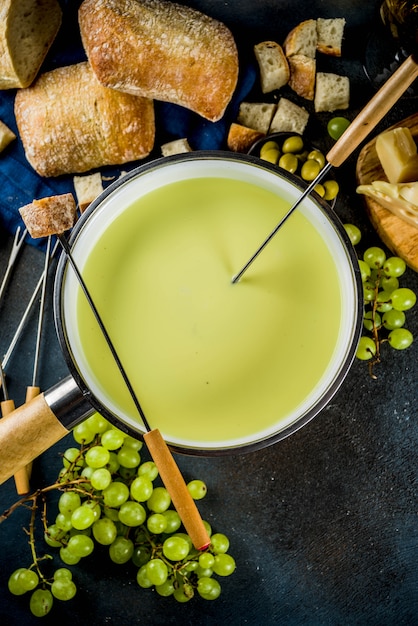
(52, 215)
(69, 123)
(161, 50)
(302, 75)
(241, 138)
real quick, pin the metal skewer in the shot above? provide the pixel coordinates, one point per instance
(16, 246)
(358, 130)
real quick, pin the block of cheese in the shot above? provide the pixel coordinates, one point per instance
(397, 152)
(400, 199)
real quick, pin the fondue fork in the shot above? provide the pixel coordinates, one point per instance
(167, 467)
(358, 130)
(17, 244)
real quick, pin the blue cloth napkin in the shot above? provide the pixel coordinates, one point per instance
(20, 184)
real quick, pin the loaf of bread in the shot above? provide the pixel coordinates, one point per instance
(273, 65)
(69, 123)
(256, 115)
(161, 50)
(302, 75)
(302, 39)
(241, 138)
(330, 33)
(49, 216)
(289, 117)
(27, 30)
(332, 92)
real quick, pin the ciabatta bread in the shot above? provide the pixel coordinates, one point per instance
(330, 35)
(241, 138)
(49, 216)
(302, 39)
(69, 123)
(27, 30)
(161, 50)
(302, 75)
(332, 92)
(273, 65)
(289, 117)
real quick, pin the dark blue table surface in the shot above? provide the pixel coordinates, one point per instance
(323, 525)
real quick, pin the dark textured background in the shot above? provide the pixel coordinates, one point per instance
(323, 525)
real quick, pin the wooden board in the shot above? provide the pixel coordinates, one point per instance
(399, 236)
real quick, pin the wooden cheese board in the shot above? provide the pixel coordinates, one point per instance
(398, 235)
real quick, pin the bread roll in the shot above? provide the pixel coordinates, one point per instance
(49, 216)
(69, 123)
(27, 30)
(161, 50)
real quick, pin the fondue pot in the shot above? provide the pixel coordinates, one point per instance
(218, 367)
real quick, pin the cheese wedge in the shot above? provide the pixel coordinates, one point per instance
(400, 199)
(397, 152)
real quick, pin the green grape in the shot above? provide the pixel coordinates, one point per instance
(337, 126)
(128, 457)
(113, 464)
(208, 527)
(82, 518)
(41, 602)
(224, 565)
(203, 572)
(121, 550)
(64, 522)
(54, 536)
(156, 523)
(142, 578)
(80, 545)
(115, 494)
(68, 557)
(63, 572)
(141, 488)
(173, 521)
(208, 588)
(197, 489)
(157, 571)
(393, 319)
(112, 514)
(97, 456)
(141, 555)
(104, 531)
(206, 560)
(166, 589)
(148, 469)
(403, 299)
(400, 338)
(112, 439)
(366, 349)
(132, 513)
(389, 283)
(159, 500)
(97, 423)
(101, 478)
(365, 270)
(14, 584)
(63, 589)
(394, 266)
(374, 257)
(68, 502)
(83, 434)
(384, 302)
(72, 456)
(368, 321)
(219, 543)
(353, 232)
(183, 593)
(369, 291)
(130, 442)
(176, 548)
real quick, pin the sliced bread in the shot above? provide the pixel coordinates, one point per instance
(256, 115)
(241, 138)
(273, 65)
(27, 30)
(161, 50)
(302, 39)
(332, 92)
(330, 35)
(289, 117)
(302, 75)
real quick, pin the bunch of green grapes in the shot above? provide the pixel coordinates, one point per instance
(110, 498)
(385, 301)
